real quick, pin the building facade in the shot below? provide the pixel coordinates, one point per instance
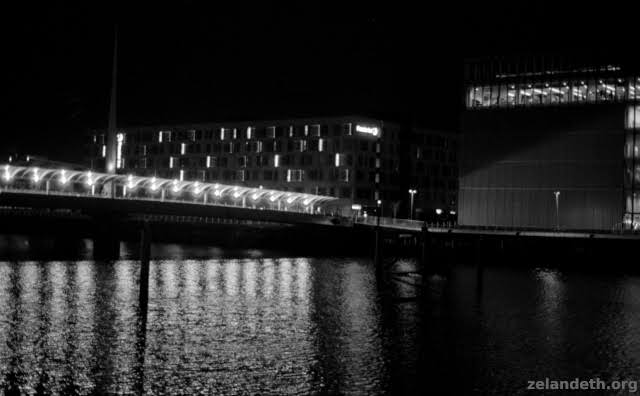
(360, 159)
(550, 143)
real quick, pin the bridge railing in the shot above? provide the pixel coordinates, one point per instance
(35, 180)
(391, 222)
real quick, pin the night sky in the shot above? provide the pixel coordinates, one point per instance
(190, 63)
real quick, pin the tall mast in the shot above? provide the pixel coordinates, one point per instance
(110, 160)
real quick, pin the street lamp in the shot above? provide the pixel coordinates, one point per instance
(557, 195)
(412, 192)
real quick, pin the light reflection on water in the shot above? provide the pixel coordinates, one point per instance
(302, 325)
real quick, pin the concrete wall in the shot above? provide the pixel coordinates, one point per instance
(513, 160)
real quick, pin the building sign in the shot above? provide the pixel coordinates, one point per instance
(368, 130)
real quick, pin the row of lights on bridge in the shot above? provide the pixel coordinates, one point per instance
(197, 188)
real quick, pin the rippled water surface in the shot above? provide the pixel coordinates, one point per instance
(296, 325)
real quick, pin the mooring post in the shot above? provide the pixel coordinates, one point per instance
(426, 241)
(145, 253)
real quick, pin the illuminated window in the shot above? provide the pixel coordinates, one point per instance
(222, 133)
(295, 175)
(171, 162)
(183, 148)
(271, 132)
(320, 145)
(104, 151)
(553, 92)
(633, 117)
(120, 140)
(181, 174)
(300, 145)
(208, 161)
(338, 160)
(344, 175)
(249, 132)
(276, 160)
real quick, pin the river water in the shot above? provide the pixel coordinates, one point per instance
(249, 322)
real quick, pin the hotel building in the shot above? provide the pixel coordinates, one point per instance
(359, 159)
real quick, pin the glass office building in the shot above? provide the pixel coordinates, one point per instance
(550, 143)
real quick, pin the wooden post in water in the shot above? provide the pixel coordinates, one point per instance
(145, 253)
(377, 253)
(426, 241)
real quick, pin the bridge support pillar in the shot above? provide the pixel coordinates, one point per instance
(145, 255)
(424, 247)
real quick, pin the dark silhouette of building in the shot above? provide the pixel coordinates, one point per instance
(550, 142)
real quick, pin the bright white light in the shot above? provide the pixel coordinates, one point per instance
(255, 196)
(196, 188)
(291, 199)
(183, 148)
(452, 212)
(181, 174)
(175, 186)
(368, 130)
(208, 161)
(160, 137)
(217, 193)
(7, 175)
(130, 182)
(89, 178)
(356, 207)
(320, 145)
(120, 140)
(337, 159)
(276, 160)
(154, 187)
(438, 211)
(249, 132)
(273, 197)
(36, 176)
(170, 162)
(63, 176)
(104, 151)
(306, 201)
(236, 194)
(379, 202)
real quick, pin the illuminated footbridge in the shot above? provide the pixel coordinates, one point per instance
(108, 204)
(76, 183)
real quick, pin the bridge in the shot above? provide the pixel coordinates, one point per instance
(111, 199)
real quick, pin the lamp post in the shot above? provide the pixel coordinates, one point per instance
(412, 192)
(557, 195)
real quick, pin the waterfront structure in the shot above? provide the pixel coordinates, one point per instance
(550, 143)
(359, 159)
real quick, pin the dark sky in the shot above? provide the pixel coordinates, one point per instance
(189, 63)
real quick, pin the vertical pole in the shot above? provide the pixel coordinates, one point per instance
(426, 241)
(377, 253)
(205, 197)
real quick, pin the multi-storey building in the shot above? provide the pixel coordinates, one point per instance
(550, 143)
(352, 157)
